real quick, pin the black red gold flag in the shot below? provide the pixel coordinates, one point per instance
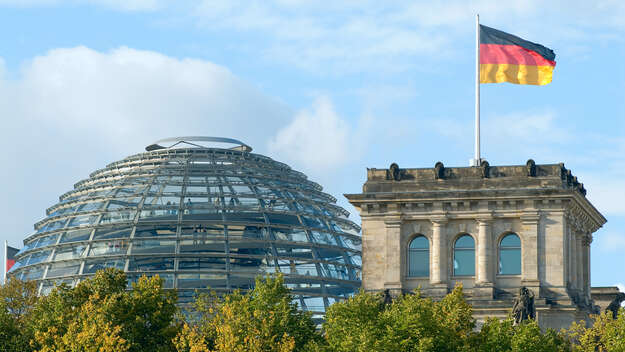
(508, 58)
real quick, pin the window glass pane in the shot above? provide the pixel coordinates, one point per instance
(92, 267)
(153, 246)
(39, 257)
(63, 269)
(46, 241)
(71, 252)
(112, 232)
(82, 220)
(330, 254)
(419, 263)
(511, 240)
(420, 242)
(53, 225)
(75, 236)
(108, 248)
(465, 241)
(206, 246)
(510, 261)
(155, 231)
(150, 263)
(33, 273)
(91, 206)
(323, 238)
(295, 235)
(117, 216)
(202, 263)
(215, 281)
(464, 262)
(170, 214)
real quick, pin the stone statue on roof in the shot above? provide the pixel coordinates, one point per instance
(616, 304)
(524, 308)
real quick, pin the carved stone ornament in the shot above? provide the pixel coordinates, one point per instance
(579, 220)
(394, 173)
(439, 171)
(524, 308)
(531, 168)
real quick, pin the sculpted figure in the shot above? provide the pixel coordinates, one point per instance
(523, 308)
(616, 304)
(387, 297)
(530, 166)
(394, 172)
(439, 170)
(485, 168)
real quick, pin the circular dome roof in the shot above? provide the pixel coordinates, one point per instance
(198, 216)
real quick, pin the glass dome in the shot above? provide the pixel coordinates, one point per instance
(198, 216)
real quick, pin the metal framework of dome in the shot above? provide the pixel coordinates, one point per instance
(198, 216)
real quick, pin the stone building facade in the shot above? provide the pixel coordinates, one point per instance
(492, 228)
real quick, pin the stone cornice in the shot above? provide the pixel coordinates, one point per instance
(581, 220)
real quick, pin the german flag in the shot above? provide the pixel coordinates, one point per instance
(10, 253)
(508, 58)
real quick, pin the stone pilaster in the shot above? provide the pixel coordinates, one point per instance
(529, 251)
(484, 285)
(572, 259)
(579, 259)
(586, 239)
(438, 262)
(392, 266)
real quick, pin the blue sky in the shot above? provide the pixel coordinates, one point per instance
(328, 87)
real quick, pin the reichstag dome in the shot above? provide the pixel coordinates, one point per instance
(199, 216)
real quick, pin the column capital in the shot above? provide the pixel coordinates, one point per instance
(393, 222)
(531, 217)
(439, 220)
(484, 220)
(587, 239)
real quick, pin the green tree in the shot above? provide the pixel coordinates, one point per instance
(264, 319)
(606, 333)
(409, 323)
(501, 335)
(356, 324)
(17, 300)
(140, 319)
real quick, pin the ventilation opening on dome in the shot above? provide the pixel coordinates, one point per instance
(199, 142)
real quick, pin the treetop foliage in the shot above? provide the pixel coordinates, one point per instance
(103, 314)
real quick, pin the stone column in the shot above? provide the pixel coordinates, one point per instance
(484, 255)
(438, 264)
(586, 240)
(529, 251)
(393, 267)
(484, 286)
(579, 258)
(572, 246)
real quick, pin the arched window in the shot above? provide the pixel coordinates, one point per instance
(510, 255)
(419, 257)
(464, 256)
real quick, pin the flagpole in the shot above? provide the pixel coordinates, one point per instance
(476, 157)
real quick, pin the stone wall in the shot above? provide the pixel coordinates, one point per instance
(544, 205)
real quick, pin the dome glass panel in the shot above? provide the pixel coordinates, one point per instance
(200, 217)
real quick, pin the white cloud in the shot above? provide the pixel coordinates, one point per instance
(119, 5)
(316, 139)
(128, 95)
(347, 36)
(72, 111)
